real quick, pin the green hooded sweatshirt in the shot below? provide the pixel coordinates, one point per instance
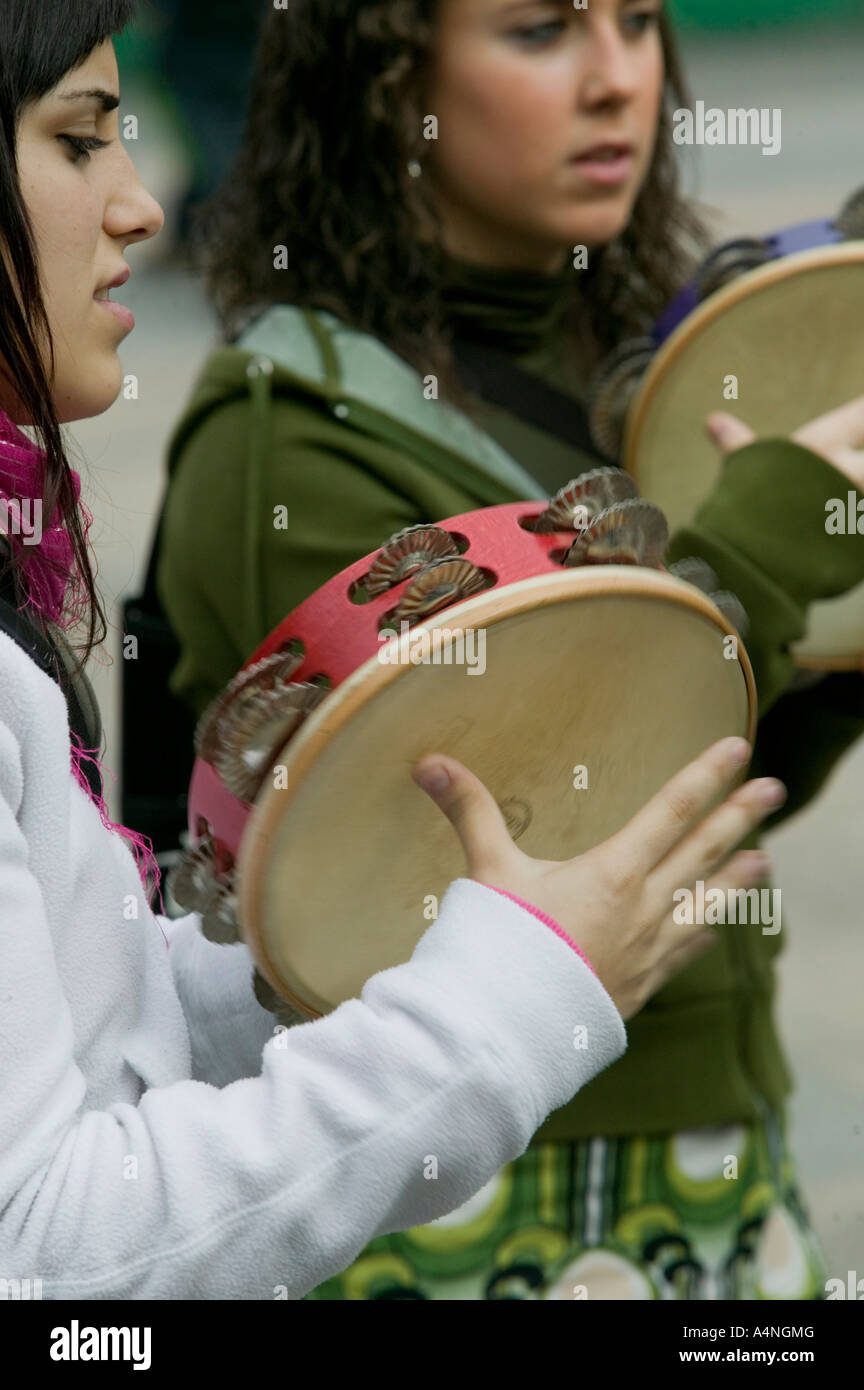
(310, 414)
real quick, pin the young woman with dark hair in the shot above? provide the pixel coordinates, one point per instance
(131, 1167)
(425, 185)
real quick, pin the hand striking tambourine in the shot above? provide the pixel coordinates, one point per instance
(572, 674)
(781, 315)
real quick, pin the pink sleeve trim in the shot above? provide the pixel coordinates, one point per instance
(543, 917)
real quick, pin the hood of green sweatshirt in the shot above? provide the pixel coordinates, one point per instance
(311, 353)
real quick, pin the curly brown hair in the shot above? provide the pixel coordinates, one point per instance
(335, 117)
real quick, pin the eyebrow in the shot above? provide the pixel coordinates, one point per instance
(107, 100)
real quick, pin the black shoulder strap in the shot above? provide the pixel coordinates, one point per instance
(148, 599)
(17, 625)
(496, 378)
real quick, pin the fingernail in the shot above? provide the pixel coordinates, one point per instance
(771, 792)
(433, 779)
(736, 751)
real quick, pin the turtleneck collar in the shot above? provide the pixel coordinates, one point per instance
(513, 309)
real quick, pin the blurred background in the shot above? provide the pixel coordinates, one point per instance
(184, 72)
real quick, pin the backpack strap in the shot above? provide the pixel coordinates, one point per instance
(496, 378)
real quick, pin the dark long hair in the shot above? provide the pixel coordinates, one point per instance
(40, 41)
(335, 118)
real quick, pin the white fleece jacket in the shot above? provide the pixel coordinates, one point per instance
(160, 1138)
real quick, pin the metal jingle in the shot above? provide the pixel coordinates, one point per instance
(699, 573)
(728, 262)
(192, 881)
(267, 997)
(732, 608)
(585, 497)
(278, 668)
(442, 582)
(850, 221)
(206, 736)
(695, 571)
(219, 922)
(611, 390)
(405, 553)
(256, 729)
(634, 532)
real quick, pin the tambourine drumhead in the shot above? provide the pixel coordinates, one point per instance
(625, 671)
(790, 332)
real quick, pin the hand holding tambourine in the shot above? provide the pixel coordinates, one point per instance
(837, 436)
(615, 900)
(773, 321)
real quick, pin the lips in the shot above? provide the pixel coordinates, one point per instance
(104, 291)
(606, 152)
(102, 296)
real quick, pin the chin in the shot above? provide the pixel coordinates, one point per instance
(592, 222)
(600, 226)
(82, 400)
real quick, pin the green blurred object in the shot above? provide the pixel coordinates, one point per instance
(750, 14)
(139, 48)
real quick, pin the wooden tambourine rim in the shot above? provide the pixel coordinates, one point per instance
(820, 257)
(481, 611)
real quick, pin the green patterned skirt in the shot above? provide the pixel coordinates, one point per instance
(708, 1214)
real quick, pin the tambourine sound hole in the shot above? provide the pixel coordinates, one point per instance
(461, 543)
(294, 646)
(358, 593)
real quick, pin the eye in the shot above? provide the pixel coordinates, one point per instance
(642, 21)
(83, 145)
(538, 34)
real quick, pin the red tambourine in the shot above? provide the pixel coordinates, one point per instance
(543, 646)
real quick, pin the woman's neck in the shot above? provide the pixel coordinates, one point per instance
(479, 242)
(515, 310)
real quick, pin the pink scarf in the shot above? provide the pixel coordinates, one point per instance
(53, 587)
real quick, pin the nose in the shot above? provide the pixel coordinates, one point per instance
(612, 73)
(131, 213)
